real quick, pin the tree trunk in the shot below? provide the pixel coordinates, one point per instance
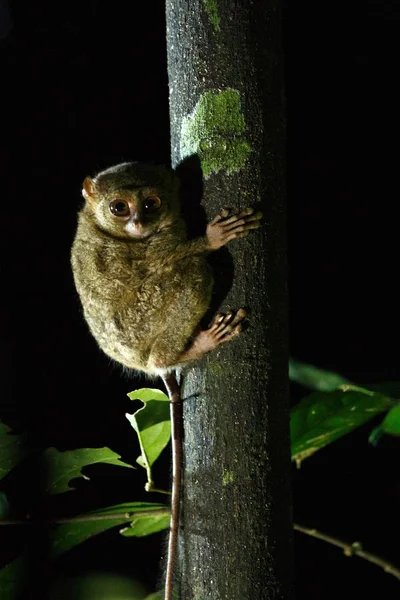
(226, 104)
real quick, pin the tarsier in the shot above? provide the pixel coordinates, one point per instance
(144, 286)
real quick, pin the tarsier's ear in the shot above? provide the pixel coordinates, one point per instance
(89, 191)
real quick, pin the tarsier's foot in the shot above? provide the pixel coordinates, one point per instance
(223, 228)
(222, 329)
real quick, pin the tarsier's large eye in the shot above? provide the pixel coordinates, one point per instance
(151, 204)
(119, 208)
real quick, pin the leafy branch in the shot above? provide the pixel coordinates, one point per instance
(324, 416)
(334, 408)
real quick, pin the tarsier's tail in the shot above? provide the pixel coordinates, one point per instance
(174, 394)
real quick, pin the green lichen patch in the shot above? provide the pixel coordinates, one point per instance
(216, 369)
(227, 478)
(215, 132)
(211, 8)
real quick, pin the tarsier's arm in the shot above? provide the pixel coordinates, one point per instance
(219, 232)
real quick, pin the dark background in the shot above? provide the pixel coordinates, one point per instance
(83, 86)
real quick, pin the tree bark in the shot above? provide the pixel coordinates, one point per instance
(226, 106)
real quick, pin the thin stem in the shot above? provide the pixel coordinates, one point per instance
(173, 389)
(354, 549)
(149, 488)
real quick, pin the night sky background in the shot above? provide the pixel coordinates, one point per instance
(83, 86)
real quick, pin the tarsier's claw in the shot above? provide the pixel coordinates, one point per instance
(220, 320)
(248, 211)
(228, 327)
(228, 317)
(240, 314)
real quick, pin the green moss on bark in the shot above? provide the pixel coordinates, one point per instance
(215, 132)
(211, 8)
(228, 477)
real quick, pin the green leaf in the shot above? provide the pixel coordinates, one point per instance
(313, 377)
(96, 585)
(152, 425)
(375, 436)
(156, 596)
(129, 509)
(161, 595)
(4, 506)
(323, 417)
(11, 579)
(147, 525)
(67, 535)
(12, 449)
(391, 423)
(147, 394)
(61, 467)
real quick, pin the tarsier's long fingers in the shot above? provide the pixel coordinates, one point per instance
(241, 224)
(225, 327)
(240, 219)
(223, 228)
(247, 218)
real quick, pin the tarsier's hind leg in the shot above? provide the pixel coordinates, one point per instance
(223, 328)
(180, 317)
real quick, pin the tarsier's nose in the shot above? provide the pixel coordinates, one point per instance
(136, 219)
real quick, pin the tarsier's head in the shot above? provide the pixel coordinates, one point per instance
(133, 200)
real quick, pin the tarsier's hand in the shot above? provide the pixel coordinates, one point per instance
(222, 229)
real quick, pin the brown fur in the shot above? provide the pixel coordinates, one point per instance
(144, 286)
(142, 298)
